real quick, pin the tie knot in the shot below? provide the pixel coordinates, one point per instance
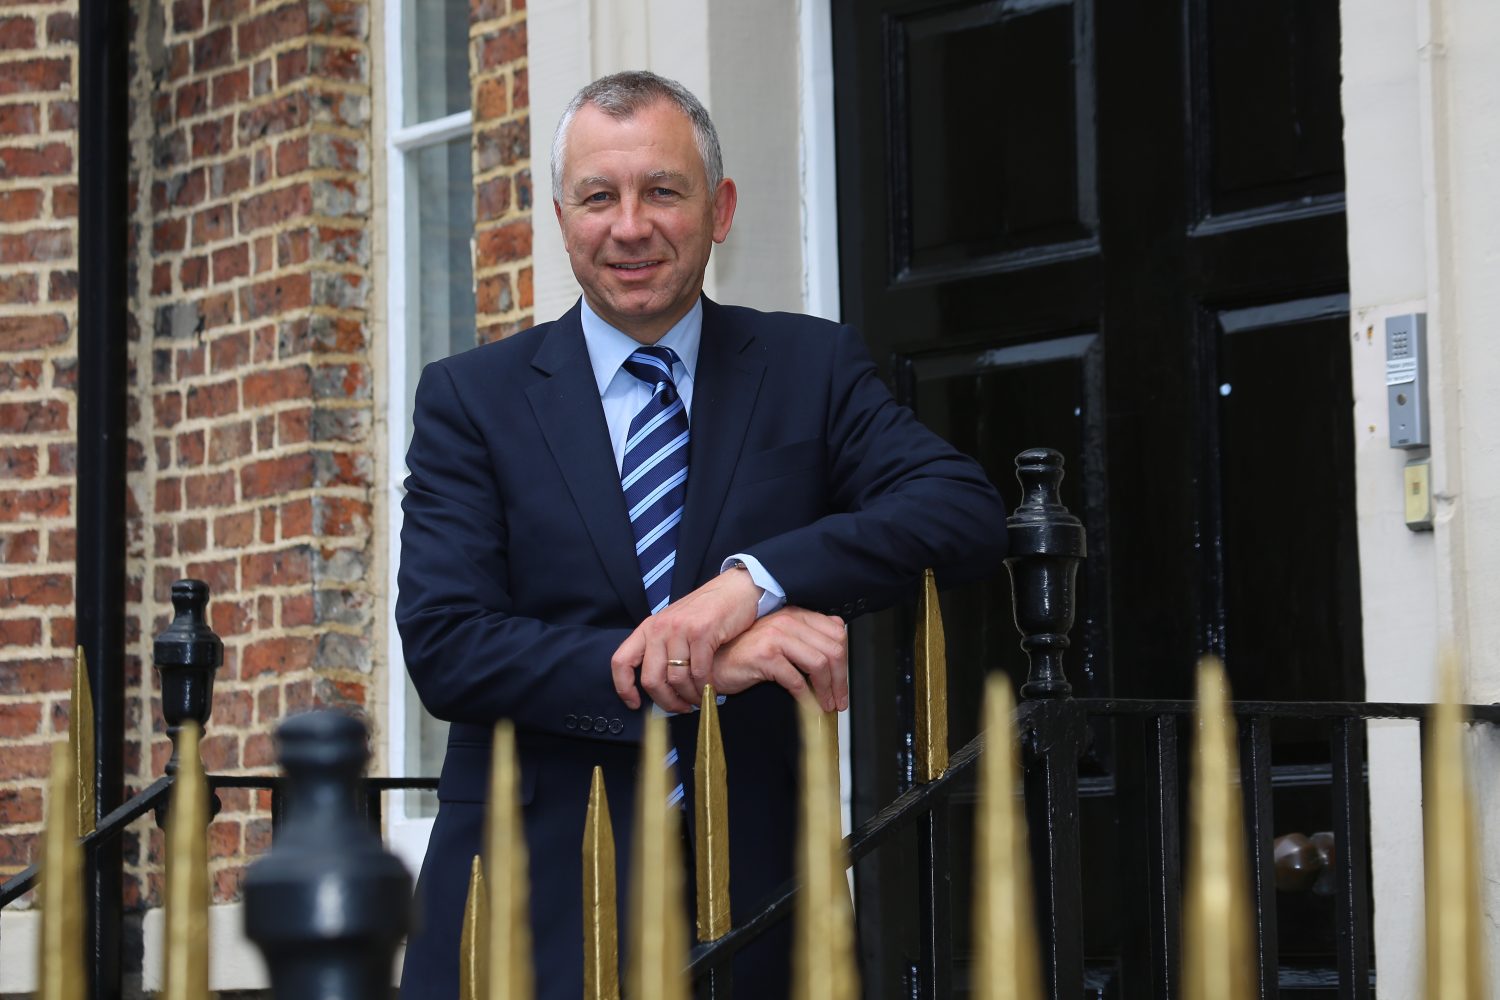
(652, 365)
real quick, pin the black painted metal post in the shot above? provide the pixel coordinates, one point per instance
(935, 870)
(99, 586)
(328, 906)
(187, 655)
(1046, 545)
(1255, 763)
(1351, 816)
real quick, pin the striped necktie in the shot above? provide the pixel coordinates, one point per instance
(653, 473)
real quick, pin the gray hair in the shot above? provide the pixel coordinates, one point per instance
(621, 95)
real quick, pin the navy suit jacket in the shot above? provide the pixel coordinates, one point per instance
(518, 581)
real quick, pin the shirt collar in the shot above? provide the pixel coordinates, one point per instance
(608, 348)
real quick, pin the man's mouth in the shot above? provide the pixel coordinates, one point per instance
(638, 265)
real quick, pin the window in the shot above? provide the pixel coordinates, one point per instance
(430, 287)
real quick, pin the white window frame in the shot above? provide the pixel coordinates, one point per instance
(407, 834)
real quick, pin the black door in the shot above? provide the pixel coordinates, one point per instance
(1116, 229)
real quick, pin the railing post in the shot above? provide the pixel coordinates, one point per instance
(187, 655)
(934, 852)
(328, 905)
(1046, 545)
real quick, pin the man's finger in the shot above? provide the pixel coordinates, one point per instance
(622, 667)
(812, 658)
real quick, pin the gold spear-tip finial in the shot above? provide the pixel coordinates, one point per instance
(473, 939)
(1004, 922)
(60, 970)
(1455, 928)
(81, 740)
(657, 959)
(601, 933)
(185, 968)
(711, 836)
(931, 680)
(510, 972)
(1218, 960)
(823, 965)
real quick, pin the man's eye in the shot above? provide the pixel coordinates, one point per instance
(663, 192)
(597, 198)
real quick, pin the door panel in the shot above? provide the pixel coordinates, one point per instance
(1115, 229)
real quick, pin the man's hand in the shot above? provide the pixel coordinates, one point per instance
(688, 631)
(793, 647)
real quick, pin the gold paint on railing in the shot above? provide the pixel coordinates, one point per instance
(1005, 936)
(601, 934)
(711, 836)
(657, 959)
(509, 947)
(930, 665)
(1455, 931)
(823, 966)
(1218, 957)
(81, 741)
(473, 939)
(185, 965)
(60, 970)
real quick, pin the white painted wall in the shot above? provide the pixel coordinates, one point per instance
(1422, 143)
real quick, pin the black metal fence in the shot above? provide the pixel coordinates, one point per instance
(1047, 544)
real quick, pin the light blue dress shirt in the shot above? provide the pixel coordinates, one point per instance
(622, 395)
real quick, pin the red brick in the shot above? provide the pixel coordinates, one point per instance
(229, 618)
(492, 199)
(213, 138)
(213, 51)
(62, 116)
(20, 805)
(234, 531)
(503, 244)
(191, 99)
(20, 719)
(192, 536)
(168, 495)
(34, 417)
(161, 279)
(61, 543)
(17, 33)
(62, 458)
(62, 286)
(503, 46)
(520, 92)
(276, 476)
(523, 287)
(279, 25)
(221, 752)
(293, 247)
(268, 705)
(20, 632)
(62, 631)
(18, 119)
(218, 310)
(169, 236)
(231, 262)
(37, 590)
(233, 709)
(280, 655)
(32, 677)
(218, 574)
(25, 374)
(223, 838)
(193, 273)
(231, 88)
(225, 444)
(18, 547)
(16, 289)
(276, 569)
(298, 610)
(18, 462)
(257, 831)
(36, 75)
(291, 66)
(20, 205)
(168, 409)
(338, 17)
(187, 16)
(338, 63)
(213, 489)
(29, 333)
(18, 505)
(490, 99)
(213, 223)
(294, 426)
(62, 27)
(274, 117)
(214, 400)
(263, 388)
(291, 158)
(35, 246)
(276, 206)
(280, 294)
(229, 351)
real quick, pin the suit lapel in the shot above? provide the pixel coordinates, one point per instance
(724, 390)
(566, 404)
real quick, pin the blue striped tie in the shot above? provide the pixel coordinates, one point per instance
(654, 472)
(653, 475)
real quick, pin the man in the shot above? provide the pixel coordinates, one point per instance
(651, 493)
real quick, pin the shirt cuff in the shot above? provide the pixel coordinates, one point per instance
(772, 596)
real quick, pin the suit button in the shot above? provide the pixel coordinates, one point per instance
(616, 727)
(570, 721)
(585, 722)
(601, 724)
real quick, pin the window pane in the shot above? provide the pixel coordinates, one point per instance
(440, 280)
(437, 59)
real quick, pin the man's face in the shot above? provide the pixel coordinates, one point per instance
(637, 216)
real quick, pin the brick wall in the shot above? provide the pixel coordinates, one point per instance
(253, 370)
(502, 168)
(38, 366)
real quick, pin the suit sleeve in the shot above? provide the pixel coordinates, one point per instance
(470, 657)
(903, 500)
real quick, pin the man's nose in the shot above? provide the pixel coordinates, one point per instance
(632, 221)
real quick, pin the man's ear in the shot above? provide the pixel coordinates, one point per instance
(725, 199)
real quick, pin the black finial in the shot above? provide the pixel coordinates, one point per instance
(1046, 545)
(328, 906)
(187, 655)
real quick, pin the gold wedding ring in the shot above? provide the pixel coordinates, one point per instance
(678, 663)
